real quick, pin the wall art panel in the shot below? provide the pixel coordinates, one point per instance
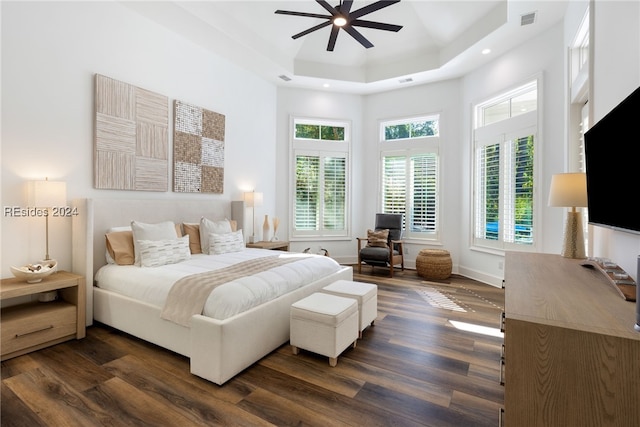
(198, 150)
(131, 137)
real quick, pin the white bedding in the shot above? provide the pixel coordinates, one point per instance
(152, 284)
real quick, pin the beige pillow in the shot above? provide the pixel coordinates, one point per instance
(193, 231)
(120, 247)
(378, 239)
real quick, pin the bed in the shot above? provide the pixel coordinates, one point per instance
(219, 346)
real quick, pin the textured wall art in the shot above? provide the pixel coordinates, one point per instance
(198, 150)
(131, 137)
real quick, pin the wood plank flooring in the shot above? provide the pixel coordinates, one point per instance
(412, 368)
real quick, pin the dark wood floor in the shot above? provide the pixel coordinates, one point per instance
(412, 368)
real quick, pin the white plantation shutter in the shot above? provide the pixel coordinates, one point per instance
(487, 191)
(394, 184)
(307, 192)
(423, 206)
(409, 186)
(334, 174)
(504, 191)
(520, 210)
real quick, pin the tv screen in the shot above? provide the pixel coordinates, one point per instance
(612, 157)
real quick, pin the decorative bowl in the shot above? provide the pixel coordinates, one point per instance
(34, 273)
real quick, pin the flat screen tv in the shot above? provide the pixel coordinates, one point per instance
(612, 157)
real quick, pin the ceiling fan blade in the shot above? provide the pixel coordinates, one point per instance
(332, 10)
(372, 8)
(345, 8)
(332, 38)
(310, 30)
(309, 15)
(356, 35)
(376, 25)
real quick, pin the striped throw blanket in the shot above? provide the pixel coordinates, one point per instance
(189, 294)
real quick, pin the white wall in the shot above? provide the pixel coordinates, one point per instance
(50, 53)
(616, 73)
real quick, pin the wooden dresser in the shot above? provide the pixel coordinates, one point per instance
(572, 356)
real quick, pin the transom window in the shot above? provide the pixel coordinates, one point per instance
(410, 128)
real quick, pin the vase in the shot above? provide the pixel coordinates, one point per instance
(265, 229)
(276, 222)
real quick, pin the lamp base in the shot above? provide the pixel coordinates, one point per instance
(573, 242)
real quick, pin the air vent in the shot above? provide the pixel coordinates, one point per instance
(285, 78)
(527, 19)
(406, 80)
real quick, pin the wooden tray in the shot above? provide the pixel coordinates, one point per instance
(616, 276)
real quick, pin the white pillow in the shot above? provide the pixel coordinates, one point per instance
(207, 227)
(160, 231)
(154, 253)
(227, 242)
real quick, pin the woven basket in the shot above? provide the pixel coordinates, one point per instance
(434, 264)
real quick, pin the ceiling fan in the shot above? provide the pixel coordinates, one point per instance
(342, 17)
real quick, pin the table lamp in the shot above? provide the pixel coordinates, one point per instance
(47, 194)
(253, 200)
(569, 190)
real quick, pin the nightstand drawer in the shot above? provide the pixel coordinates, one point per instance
(30, 325)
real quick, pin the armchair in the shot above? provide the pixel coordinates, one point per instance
(383, 247)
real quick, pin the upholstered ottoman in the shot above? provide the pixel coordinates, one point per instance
(365, 293)
(324, 324)
(434, 264)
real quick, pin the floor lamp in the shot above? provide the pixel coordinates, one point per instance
(47, 194)
(253, 200)
(569, 190)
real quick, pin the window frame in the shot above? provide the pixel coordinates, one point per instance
(503, 131)
(323, 149)
(407, 148)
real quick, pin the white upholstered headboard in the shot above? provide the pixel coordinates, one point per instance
(96, 216)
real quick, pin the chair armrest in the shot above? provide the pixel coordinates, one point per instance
(400, 244)
(360, 239)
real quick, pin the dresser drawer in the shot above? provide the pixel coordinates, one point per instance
(31, 325)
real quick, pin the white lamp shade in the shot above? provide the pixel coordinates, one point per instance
(568, 190)
(47, 194)
(253, 199)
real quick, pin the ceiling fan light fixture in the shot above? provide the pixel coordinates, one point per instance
(339, 21)
(341, 16)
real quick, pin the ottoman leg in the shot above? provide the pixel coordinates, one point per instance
(295, 349)
(333, 361)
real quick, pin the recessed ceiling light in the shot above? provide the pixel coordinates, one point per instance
(486, 51)
(326, 85)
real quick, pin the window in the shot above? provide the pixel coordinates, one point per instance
(504, 173)
(409, 173)
(320, 180)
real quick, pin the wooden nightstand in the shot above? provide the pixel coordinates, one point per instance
(275, 245)
(34, 325)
